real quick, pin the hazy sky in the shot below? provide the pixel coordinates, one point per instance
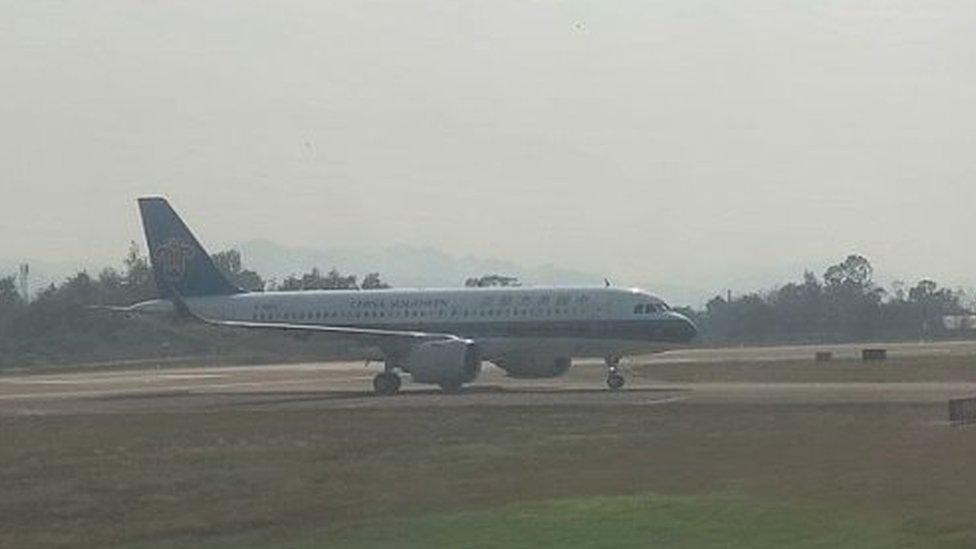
(679, 140)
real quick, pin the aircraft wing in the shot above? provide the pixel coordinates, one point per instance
(112, 308)
(367, 333)
(390, 341)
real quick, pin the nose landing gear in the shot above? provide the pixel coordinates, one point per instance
(386, 383)
(614, 380)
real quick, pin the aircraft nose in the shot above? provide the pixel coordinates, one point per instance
(687, 328)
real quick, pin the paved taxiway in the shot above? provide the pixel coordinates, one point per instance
(290, 386)
(347, 385)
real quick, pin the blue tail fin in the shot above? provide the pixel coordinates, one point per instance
(178, 260)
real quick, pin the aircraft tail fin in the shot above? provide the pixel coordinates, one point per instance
(180, 264)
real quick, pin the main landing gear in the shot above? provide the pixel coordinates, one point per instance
(450, 387)
(386, 383)
(614, 380)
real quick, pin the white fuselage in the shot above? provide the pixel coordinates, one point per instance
(542, 321)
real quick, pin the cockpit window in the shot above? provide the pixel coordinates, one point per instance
(651, 308)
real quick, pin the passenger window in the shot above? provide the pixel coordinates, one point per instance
(638, 309)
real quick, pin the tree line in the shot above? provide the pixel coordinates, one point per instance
(56, 325)
(845, 304)
(229, 263)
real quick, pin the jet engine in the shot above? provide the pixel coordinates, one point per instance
(448, 363)
(534, 366)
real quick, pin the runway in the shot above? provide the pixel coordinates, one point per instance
(348, 385)
(293, 386)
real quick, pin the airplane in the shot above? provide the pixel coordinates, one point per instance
(437, 336)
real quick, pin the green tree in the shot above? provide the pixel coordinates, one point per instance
(314, 280)
(854, 272)
(139, 283)
(372, 282)
(229, 263)
(492, 280)
(10, 297)
(11, 304)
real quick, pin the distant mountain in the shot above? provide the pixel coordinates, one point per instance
(400, 265)
(408, 266)
(403, 266)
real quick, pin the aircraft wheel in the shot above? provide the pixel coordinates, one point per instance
(615, 381)
(386, 384)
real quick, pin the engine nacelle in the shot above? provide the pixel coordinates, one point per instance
(452, 361)
(534, 366)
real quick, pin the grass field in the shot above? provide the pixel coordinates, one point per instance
(634, 521)
(679, 474)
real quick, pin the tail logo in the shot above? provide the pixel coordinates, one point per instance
(173, 259)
